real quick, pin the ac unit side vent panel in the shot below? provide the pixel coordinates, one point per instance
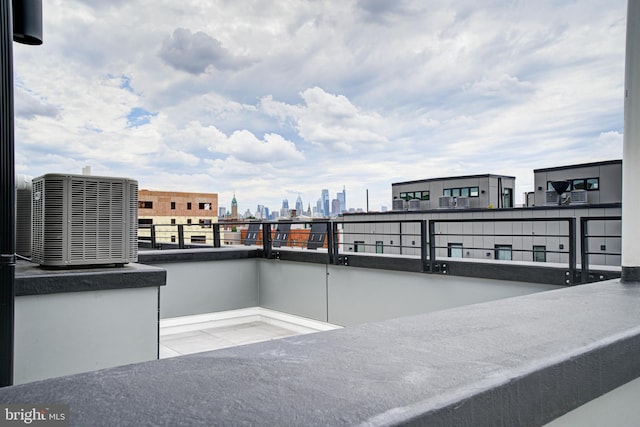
(84, 220)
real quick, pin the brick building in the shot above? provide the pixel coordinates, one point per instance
(168, 209)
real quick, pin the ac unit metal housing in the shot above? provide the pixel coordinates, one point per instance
(462, 202)
(579, 197)
(551, 197)
(399, 205)
(23, 215)
(445, 202)
(414, 205)
(84, 220)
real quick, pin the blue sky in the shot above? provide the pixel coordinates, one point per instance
(274, 99)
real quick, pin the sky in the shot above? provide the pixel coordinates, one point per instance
(274, 99)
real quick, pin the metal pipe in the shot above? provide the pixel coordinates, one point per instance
(7, 197)
(631, 149)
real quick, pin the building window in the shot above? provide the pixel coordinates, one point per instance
(205, 223)
(189, 221)
(503, 252)
(578, 184)
(189, 205)
(379, 247)
(540, 254)
(204, 206)
(462, 192)
(142, 204)
(173, 239)
(173, 221)
(589, 184)
(359, 245)
(454, 250)
(412, 195)
(173, 205)
(145, 221)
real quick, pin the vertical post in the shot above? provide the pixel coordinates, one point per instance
(631, 149)
(424, 244)
(153, 236)
(180, 236)
(572, 251)
(331, 250)
(216, 235)
(7, 197)
(266, 239)
(584, 248)
(432, 245)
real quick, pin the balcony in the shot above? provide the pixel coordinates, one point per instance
(419, 345)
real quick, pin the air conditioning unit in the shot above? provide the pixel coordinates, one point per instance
(399, 205)
(84, 220)
(414, 205)
(551, 198)
(445, 202)
(462, 203)
(579, 197)
(23, 215)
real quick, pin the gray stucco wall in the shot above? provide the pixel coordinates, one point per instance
(67, 333)
(349, 296)
(208, 286)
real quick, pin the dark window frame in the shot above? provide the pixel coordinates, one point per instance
(451, 246)
(458, 191)
(537, 250)
(585, 182)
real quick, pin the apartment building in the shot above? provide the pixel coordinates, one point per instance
(471, 191)
(475, 217)
(167, 209)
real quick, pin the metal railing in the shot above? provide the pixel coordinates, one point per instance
(548, 240)
(585, 237)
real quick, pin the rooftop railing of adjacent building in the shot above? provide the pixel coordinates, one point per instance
(545, 250)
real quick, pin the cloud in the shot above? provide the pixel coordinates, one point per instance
(332, 120)
(195, 52)
(246, 147)
(28, 106)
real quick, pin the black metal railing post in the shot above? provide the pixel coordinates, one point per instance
(152, 230)
(572, 250)
(584, 246)
(432, 246)
(180, 236)
(7, 195)
(424, 244)
(331, 249)
(216, 235)
(266, 239)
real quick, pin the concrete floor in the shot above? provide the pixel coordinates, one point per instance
(212, 331)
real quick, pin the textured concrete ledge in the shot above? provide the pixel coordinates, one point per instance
(34, 280)
(520, 361)
(202, 254)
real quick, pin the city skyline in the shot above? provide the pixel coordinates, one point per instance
(285, 100)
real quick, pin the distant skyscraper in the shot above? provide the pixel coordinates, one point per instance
(342, 198)
(325, 202)
(335, 206)
(318, 210)
(222, 212)
(299, 206)
(284, 210)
